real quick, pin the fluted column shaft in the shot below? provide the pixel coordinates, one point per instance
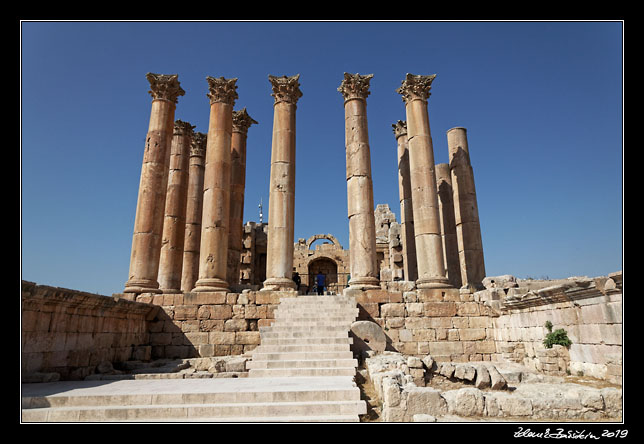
(174, 223)
(281, 208)
(213, 251)
(148, 223)
(194, 206)
(448, 224)
(429, 247)
(406, 203)
(362, 224)
(468, 228)
(241, 122)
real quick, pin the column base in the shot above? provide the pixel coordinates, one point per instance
(433, 282)
(276, 284)
(210, 284)
(171, 291)
(141, 286)
(364, 283)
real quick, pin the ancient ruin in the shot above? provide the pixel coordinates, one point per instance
(406, 316)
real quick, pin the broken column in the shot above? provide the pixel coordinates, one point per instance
(194, 206)
(362, 225)
(281, 208)
(241, 122)
(213, 251)
(468, 228)
(406, 205)
(148, 223)
(174, 222)
(429, 246)
(448, 224)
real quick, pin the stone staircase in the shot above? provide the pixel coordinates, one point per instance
(309, 337)
(302, 372)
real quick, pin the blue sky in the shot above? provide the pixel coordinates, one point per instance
(542, 103)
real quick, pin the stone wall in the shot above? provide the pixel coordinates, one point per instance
(207, 324)
(68, 333)
(446, 323)
(589, 310)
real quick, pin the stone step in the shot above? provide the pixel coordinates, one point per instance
(301, 363)
(300, 372)
(306, 337)
(187, 412)
(306, 341)
(225, 397)
(311, 312)
(291, 399)
(303, 317)
(302, 355)
(299, 348)
(288, 328)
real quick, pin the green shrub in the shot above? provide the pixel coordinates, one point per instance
(557, 337)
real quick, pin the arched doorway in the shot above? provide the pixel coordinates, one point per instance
(329, 269)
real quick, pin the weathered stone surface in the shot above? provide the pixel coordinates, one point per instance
(465, 371)
(424, 400)
(370, 336)
(482, 377)
(465, 402)
(497, 381)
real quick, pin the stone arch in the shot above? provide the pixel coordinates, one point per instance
(330, 237)
(329, 267)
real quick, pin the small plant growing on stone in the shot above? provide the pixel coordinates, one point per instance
(559, 337)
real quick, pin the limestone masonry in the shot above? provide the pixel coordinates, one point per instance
(407, 303)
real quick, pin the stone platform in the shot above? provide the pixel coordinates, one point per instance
(282, 399)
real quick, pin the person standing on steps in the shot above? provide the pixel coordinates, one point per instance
(320, 278)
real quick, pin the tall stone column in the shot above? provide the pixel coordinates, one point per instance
(241, 122)
(213, 252)
(429, 246)
(148, 223)
(194, 206)
(468, 228)
(406, 204)
(448, 224)
(362, 224)
(281, 206)
(174, 223)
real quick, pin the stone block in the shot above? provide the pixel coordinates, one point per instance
(472, 334)
(465, 402)
(221, 337)
(379, 296)
(220, 311)
(392, 310)
(368, 310)
(430, 294)
(424, 400)
(468, 309)
(440, 309)
(197, 338)
(414, 308)
(465, 371)
(235, 325)
(247, 337)
(183, 312)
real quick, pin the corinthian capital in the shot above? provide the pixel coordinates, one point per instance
(198, 144)
(182, 128)
(222, 90)
(286, 89)
(242, 121)
(165, 86)
(416, 87)
(355, 86)
(400, 128)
